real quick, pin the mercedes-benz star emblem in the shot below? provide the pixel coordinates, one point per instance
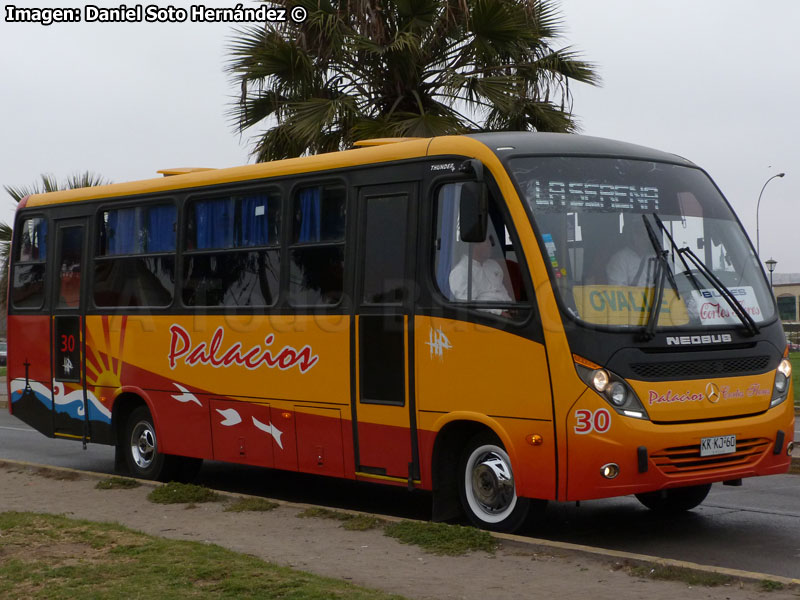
(712, 393)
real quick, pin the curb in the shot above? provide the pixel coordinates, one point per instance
(533, 544)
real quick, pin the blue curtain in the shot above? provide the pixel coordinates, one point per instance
(122, 231)
(213, 223)
(40, 239)
(310, 213)
(447, 234)
(252, 227)
(161, 228)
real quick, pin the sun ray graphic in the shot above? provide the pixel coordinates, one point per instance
(104, 355)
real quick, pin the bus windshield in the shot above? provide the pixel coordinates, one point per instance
(605, 222)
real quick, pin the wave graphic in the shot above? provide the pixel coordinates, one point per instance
(40, 391)
(71, 403)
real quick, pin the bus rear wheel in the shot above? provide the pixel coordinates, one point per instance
(487, 489)
(675, 500)
(140, 446)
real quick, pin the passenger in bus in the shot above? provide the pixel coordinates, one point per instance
(487, 276)
(632, 264)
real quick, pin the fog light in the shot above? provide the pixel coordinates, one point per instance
(609, 471)
(789, 448)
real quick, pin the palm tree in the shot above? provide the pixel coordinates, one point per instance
(48, 184)
(357, 69)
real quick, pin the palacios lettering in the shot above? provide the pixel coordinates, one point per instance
(180, 347)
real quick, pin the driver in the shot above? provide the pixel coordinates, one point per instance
(632, 265)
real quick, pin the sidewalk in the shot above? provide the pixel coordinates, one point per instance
(369, 558)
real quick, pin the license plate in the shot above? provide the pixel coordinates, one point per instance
(721, 444)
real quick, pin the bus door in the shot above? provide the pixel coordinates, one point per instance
(384, 417)
(67, 347)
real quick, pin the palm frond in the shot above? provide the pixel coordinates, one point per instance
(361, 68)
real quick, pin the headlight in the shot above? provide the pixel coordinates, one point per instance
(617, 394)
(612, 387)
(600, 380)
(781, 387)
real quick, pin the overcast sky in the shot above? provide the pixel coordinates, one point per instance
(715, 81)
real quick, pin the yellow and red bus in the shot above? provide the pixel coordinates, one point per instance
(502, 319)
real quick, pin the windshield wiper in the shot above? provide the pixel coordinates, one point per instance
(662, 271)
(676, 250)
(744, 316)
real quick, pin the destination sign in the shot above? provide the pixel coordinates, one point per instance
(558, 194)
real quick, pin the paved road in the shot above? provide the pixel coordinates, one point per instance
(755, 527)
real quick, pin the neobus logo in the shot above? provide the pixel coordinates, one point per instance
(695, 340)
(211, 353)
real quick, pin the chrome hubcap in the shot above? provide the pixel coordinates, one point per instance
(143, 444)
(492, 483)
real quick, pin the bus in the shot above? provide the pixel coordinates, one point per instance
(501, 319)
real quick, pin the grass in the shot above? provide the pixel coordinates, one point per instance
(251, 505)
(767, 585)
(182, 493)
(55, 557)
(687, 576)
(435, 538)
(351, 522)
(117, 483)
(794, 358)
(440, 538)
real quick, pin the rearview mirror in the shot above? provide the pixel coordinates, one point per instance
(473, 211)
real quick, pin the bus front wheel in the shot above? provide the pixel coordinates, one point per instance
(487, 489)
(675, 500)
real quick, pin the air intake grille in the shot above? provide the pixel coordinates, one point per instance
(685, 369)
(687, 459)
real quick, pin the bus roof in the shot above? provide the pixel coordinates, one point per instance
(384, 150)
(560, 144)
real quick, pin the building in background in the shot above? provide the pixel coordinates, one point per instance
(787, 292)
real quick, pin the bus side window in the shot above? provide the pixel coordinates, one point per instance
(135, 260)
(27, 287)
(316, 255)
(480, 273)
(232, 248)
(69, 267)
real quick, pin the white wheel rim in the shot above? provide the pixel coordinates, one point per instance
(489, 484)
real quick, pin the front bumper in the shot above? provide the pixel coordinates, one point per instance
(653, 456)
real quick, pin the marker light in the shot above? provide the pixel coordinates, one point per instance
(600, 380)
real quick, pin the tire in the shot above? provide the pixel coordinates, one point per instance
(675, 500)
(140, 447)
(487, 488)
